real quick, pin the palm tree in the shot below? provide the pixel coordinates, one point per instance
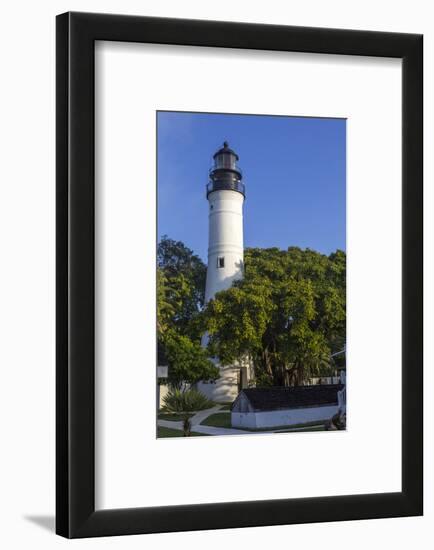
(185, 402)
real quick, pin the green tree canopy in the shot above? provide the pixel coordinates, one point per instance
(287, 315)
(182, 283)
(180, 296)
(188, 361)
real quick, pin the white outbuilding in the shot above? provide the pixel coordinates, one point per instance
(284, 406)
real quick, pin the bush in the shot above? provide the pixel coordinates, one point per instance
(188, 361)
(185, 401)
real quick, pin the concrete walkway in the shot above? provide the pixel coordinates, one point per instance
(196, 426)
(196, 420)
(200, 416)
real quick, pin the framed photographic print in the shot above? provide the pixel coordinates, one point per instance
(239, 275)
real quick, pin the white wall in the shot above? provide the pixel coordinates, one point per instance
(27, 273)
(162, 391)
(225, 240)
(268, 419)
(225, 388)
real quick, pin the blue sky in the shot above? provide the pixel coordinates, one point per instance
(293, 169)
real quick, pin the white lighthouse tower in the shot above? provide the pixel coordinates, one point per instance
(225, 193)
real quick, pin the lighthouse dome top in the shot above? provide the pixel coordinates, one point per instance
(225, 174)
(225, 150)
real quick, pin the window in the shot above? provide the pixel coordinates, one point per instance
(220, 262)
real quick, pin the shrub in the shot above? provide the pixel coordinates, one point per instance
(185, 401)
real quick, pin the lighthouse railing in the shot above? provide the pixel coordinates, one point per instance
(231, 168)
(222, 186)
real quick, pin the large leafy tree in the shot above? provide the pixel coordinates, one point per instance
(184, 282)
(180, 297)
(188, 360)
(286, 316)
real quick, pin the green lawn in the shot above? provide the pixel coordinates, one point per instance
(226, 406)
(218, 420)
(318, 424)
(173, 416)
(169, 432)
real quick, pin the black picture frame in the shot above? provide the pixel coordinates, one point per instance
(75, 295)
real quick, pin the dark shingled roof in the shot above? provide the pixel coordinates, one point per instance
(271, 399)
